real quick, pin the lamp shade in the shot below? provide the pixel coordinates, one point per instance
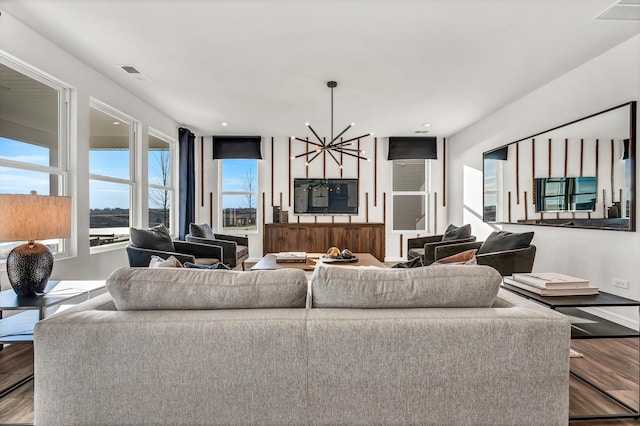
(34, 217)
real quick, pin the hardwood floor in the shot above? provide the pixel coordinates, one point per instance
(612, 364)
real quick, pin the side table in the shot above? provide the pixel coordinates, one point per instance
(18, 328)
(593, 327)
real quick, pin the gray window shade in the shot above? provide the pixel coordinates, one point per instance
(409, 212)
(412, 147)
(409, 175)
(226, 147)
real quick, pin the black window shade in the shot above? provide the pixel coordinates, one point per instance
(225, 147)
(412, 148)
(497, 154)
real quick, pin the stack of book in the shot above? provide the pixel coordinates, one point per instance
(291, 257)
(551, 284)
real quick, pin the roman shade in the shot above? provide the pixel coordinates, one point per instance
(412, 148)
(225, 147)
(497, 154)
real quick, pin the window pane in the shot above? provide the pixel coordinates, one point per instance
(159, 207)
(109, 144)
(159, 162)
(18, 181)
(239, 212)
(409, 175)
(29, 114)
(240, 175)
(109, 214)
(409, 212)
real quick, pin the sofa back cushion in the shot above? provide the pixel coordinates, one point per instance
(170, 289)
(156, 238)
(455, 286)
(201, 231)
(503, 240)
(456, 232)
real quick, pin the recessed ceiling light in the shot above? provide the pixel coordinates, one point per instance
(116, 122)
(427, 124)
(224, 124)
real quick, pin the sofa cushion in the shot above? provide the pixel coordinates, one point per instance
(445, 286)
(467, 257)
(503, 240)
(171, 288)
(415, 252)
(156, 238)
(241, 251)
(201, 231)
(169, 262)
(456, 232)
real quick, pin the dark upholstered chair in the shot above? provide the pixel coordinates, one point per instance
(506, 262)
(157, 241)
(425, 247)
(235, 249)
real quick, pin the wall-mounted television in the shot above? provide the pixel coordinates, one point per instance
(561, 194)
(325, 196)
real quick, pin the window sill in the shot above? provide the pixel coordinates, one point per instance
(108, 247)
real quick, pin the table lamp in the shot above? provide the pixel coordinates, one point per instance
(32, 217)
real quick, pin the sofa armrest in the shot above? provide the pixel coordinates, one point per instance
(509, 261)
(419, 242)
(449, 250)
(430, 249)
(199, 250)
(241, 241)
(141, 257)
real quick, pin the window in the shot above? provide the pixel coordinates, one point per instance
(161, 187)
(33, 137)
(409, 195)
(110, 172)
(492, 197)
(239, 193)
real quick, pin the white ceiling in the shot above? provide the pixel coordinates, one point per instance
(262, 66)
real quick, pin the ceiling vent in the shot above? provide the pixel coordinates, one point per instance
(421, 131)
(134, 72)
(623, 10)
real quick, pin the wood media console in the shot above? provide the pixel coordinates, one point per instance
(318, 237)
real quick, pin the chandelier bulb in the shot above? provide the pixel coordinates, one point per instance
(340, 165)
(318, 150)
(306, 124)
(306, 163)
(362, 151)
(292, 158)
(353, 124)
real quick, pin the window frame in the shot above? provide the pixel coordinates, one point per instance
(61, 171)
(222, 193)
(427, 199)
(134, 126)
(172, 188)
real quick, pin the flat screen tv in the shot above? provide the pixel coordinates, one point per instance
(561, 194)
(325, 196)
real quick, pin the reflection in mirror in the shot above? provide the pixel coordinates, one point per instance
(580, 174)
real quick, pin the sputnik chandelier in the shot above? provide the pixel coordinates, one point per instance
(333, 145)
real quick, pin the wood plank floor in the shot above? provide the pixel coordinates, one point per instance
(612, 364)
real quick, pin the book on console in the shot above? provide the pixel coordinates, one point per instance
(581, 291)
(291, 257)
(551, 280)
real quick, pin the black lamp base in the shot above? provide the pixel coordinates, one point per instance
(29, 267)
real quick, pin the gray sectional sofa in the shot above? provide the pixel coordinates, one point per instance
(426, 346)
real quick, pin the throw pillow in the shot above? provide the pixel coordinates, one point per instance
(201, 231)
(169, 262)
(156, 238)
(135, 289)
(467, 257)
(416, 262)
(456, 232)
(503, 240)
(218, 265)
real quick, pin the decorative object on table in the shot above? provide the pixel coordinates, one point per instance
(333, 145)
(551, 284)
(32, 217)
(276, 214)
(334, 255)
(291, 257)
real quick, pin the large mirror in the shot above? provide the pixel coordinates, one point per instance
(580, 174)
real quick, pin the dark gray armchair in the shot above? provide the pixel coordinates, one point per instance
(425, 247)
(202, 254)
(235, 249)
(506, 262)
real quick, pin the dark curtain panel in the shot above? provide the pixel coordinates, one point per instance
(497, 154)
(187, 183)
(236, 147)
(412, 148)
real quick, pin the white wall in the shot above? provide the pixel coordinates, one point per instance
(281, 184)
(603, 82)
(22, 42)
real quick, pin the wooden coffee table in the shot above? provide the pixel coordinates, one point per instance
(269, 262)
